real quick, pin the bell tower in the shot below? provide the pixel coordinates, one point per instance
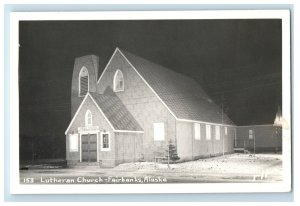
(84, 79)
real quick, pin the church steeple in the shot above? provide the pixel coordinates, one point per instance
(278, 118)
(84, 79)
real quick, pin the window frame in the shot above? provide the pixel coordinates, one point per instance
(71, 149)
(79, 81)
(88, 115)
(197, 131)
(115, 79)
(251, 134)
(101, 142)
(155, 125)
(208, 134)
(217, 132)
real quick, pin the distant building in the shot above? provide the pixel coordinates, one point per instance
(261, 138)
(136, 108)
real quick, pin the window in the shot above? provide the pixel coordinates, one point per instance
(217, 134)
(159, 131)
(105, 141)
(251, 134)
(208, 132)
(83, 81)
(197, 131)
(226, 131)
(88, 118)
(73, 142)
(118, 81)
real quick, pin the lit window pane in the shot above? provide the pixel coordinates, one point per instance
(250, 134)
(88, 118)
(217, 133)
(159, 131)
(208, 132)
(73, 142)
(197, 131)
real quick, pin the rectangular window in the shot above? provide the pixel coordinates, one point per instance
(250, 134)
(217, 134)
(105, 141)
(225, 130)
(73, 142)
(159, 131)
(208, 132)
(197, 131)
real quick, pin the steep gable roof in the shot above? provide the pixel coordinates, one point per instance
(181, 94)
(115, 111)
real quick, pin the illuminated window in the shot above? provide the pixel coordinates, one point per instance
(159, 131)
(88, 118)
(217, 132)
(197, 131)
(208, 132)
(225, 130)
(73, 142)
(251, 134)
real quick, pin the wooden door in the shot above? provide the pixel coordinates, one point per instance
(89, 147)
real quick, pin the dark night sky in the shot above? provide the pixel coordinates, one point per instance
(238, 61)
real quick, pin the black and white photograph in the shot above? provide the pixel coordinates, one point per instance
(153, 101)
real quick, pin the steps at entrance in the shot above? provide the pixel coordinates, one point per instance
(241, 150)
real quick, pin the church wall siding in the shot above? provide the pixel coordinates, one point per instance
(142, 104)
(190, 148)
(128, 147)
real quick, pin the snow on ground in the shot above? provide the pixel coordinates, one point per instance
(231, 164)
(43, 166)
(228, 168)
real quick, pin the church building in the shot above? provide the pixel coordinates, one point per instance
(135, 109)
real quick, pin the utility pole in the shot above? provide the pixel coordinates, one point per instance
(254, 142)
(223, 126)
(168, 156)
(32, 152)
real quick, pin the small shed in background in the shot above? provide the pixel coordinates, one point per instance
(260, 138)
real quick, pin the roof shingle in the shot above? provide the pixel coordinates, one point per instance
(182, 94)
(115, 111)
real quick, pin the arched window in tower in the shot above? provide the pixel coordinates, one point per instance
(88, 119)
(83, 81)
(118, 81)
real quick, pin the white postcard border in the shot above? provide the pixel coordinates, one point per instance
(17, 188)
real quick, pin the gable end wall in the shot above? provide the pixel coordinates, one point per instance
(142, 103)
(108, 158)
